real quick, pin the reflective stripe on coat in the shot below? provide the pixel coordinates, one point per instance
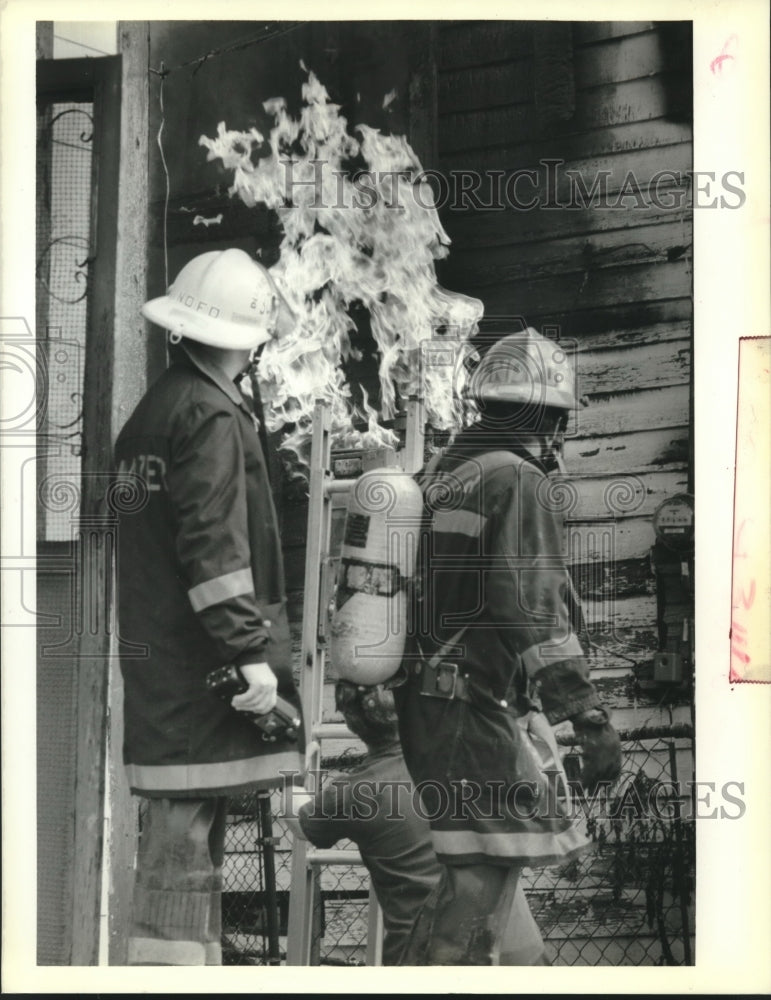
(200, 585)
(493, 565)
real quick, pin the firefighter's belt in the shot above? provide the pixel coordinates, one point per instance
(442, 680)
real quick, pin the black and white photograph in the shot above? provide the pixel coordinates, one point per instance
(385, 454)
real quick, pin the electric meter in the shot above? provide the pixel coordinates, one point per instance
(673, 522)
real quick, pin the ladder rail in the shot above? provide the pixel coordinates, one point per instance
(305, 891)
(374, 930)
(304, 897)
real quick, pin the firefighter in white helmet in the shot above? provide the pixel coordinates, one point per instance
(493, 660)
(201, 587)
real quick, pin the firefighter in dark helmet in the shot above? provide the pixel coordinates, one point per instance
(376, 806)
(493, 661)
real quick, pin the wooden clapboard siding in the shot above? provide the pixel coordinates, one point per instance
(658, 145)
(648, 336)
(573, 291)
(624, 494)
(650, 367)
(624, 57)
(497, 225)
(621, 629)
(619, 539)
(624, 619)
(573, 254)
(642, 451)
(484, 88)
(587, 319)
(605, 106)
(599, 31)
(634, 410)
(464, 44)
(625, 578)
(592, 289)
(493, 97)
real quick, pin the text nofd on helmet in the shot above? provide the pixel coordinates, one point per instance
(225, 299)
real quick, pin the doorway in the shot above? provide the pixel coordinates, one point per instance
(78, 135)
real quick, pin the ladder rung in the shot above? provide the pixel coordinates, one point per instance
(331, 731)
(332, 856)
(337, 486)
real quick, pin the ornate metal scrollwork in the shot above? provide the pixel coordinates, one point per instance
(86, 136)
(63, 269)
(79, 274)
(76, 447)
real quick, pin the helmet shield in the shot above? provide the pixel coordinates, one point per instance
(527, 370)
(224, 299)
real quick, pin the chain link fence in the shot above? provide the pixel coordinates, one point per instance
(631, 900)
(255, 900)
(628, 902)
(256, 879)
(344, 915)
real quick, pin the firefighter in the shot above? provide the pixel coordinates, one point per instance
(372, 806)
(492, 660)
(200, 586)
(376, 806)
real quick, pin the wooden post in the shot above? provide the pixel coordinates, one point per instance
(129, 384)
(93, 647)
(44, 40)
(131, 330)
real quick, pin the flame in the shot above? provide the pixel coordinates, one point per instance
(368, 237)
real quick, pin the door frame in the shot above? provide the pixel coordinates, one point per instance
(98, 81)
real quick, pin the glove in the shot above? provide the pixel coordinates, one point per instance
(261, 695)
(601, 748)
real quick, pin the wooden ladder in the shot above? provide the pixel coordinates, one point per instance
(326, 494)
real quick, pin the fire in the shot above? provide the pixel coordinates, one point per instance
(368, 237)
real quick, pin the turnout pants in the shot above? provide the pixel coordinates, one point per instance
(477, 915)
(176, 916)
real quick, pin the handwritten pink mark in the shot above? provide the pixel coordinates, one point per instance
(750, 648)
(737, 539)
(748, 600)
(717, 62)
(738, 633)
(738, 638)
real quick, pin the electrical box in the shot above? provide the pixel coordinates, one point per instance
(668, 668)
(672, 564)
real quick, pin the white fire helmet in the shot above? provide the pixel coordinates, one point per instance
(525, 368)
(224, 299)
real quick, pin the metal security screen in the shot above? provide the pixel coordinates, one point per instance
(64, 195)
(65, 152)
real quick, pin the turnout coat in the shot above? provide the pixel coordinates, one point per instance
(200, 585)
(495, 603)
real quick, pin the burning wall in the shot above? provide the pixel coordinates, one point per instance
(360, 232)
